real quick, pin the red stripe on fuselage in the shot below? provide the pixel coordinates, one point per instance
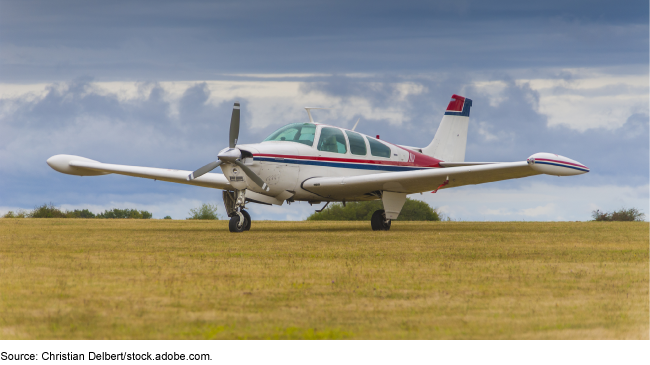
(420, 161)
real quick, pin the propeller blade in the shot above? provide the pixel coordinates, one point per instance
(256, 179)
(203, 170)
(234, 125)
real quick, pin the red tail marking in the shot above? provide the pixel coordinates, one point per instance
(456, 105)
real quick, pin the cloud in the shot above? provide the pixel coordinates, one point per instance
(539, 211)
(183, 124)
(585, 99)
(529, 199)
(154, 82)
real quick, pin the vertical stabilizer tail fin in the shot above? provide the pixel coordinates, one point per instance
(450, 141)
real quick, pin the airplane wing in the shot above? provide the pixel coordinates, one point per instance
(209, 180)
(410, 182)
(76, 165)
(81, 166)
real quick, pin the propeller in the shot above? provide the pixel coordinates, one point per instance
(231, 154)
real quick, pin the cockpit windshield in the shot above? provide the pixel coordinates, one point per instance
(296, 132)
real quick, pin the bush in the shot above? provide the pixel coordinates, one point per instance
(46, 211)
(206, 211)
(167, 217)
(50, 211)
(19, 214)
(85, 213)
(413, 210)
(622, 215)
(125, 214)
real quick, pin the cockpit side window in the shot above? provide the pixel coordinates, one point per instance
(332, 140)
(378, 149)
(357, 144)
(297, 132)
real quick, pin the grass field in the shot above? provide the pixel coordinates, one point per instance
(161, 279)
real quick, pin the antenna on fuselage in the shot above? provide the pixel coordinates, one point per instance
(355, 124)
(308, 109)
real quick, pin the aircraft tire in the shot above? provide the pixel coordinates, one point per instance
(233, 225)
(378, 221)
(247, 225)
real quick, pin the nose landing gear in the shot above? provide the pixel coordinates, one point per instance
(240, 220)
(247, 219)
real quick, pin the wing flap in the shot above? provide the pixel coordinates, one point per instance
(411, 182)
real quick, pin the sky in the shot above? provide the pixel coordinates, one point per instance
(151, 83)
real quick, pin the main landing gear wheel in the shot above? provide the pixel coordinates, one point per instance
(379, 221)
(247, 217)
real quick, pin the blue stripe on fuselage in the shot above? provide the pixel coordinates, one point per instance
(341, 164)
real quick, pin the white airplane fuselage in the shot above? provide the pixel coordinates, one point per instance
(285, 165)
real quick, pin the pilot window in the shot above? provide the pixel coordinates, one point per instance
(332, 140)
(296, 132)
(378, 149)
(357, 144)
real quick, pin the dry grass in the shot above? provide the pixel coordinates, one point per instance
(128, 279)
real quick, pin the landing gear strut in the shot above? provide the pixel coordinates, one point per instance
(247, 218)
(240, 220)
(379, 221)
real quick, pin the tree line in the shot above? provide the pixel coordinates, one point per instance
(50, 211)
(413, 210)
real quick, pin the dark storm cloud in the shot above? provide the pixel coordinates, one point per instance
(154, 40)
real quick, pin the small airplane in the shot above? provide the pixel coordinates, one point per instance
(317, 163)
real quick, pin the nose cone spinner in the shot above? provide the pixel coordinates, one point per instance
(229, 154)
(552, 164)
